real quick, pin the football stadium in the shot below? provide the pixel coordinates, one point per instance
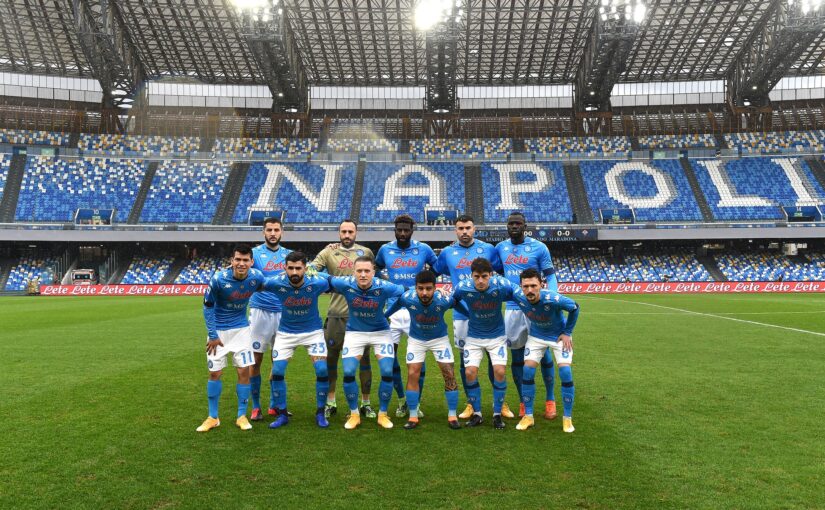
(316, 254)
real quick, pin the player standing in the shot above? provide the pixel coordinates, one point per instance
(518, 253)
(428, 332)
(224, 311)
(300, 325)
(366, 326)
(549, 331)
(339, 260)
(455, 260)
(483, 296)
(403, 260)
(265, 309)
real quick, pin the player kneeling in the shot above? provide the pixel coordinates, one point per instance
(549, 329)
(428, 332)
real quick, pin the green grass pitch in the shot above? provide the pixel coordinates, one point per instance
(100, 398)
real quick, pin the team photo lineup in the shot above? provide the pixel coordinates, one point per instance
(266, 303)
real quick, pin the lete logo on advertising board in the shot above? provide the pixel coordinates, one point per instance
(564, 288)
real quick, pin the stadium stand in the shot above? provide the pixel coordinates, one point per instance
(199, 270)
(655, 190)
(147, 270)
(392, 189)
(539, 190)
(185, 192)
(770, 266)
(26, 137)
(678, 265)
(704, 141)
(471, 147)
(755, 188)
(775, 143)
(309, 193)
(28, 269)
(589, 145)
(5, 161)
(362, 145)
(129, 144)
(54, 188)
(290, 147)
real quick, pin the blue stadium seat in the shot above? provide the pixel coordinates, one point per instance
(547, 203)
(31, 268)
(199, 270)
(635, 184)
(26, 137)
(393, 183)
(471, 147)
(756, 188)
(5, 162)
(591, 145)
(775, 143)
(704, 141)
(185, 192)
(282, 146)
(54, 188)
(299, 189)
(676, 265)
(147, 270)
(770, 266)
(126, 144)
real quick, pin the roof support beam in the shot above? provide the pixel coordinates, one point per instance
(775, 46)
(272, 45)
(111, 56)
(441, 51)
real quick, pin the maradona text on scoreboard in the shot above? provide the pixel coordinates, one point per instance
(546, 234)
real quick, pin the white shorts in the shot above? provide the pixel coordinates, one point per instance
(517, 328)
(236, 341)
(535, 348)
(460, 333)
(356, 343)
(285, 344)
(263, 326)
(440, 347)
(399, 323)
(495, 347)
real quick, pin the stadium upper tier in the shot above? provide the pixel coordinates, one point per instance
(54, 188)
(189, 191)
(185, 192)
(5, 161)
(132, 144)
(472, 148)
(705, 141)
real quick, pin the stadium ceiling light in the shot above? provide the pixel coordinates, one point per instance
(429, 13)
(629, 10)
(249, 4)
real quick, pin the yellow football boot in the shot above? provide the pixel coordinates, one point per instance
(208, 424)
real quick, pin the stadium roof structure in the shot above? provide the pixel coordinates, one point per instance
(375, 42)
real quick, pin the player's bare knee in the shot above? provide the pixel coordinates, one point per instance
(499, 372)
(216, 375)
(243, 375)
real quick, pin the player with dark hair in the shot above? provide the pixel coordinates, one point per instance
(483, 295)
(428, 332)
(339, 260)
(455, 261)
(367, 327)
(265, 309)
(224, 311)
(518, 253)
(549, 331)
(300, 326)
(403, 260)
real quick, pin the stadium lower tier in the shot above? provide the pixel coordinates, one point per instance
(665, 265)
(182, 191)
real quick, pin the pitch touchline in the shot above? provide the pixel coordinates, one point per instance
(712, 315)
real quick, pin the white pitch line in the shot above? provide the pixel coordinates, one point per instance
(691, 312)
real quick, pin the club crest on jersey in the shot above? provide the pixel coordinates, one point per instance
(256, 345)
(479, 250)
(413, 307)
(495, 293)
(227, 285)
(274, 354)
(309, 288)
(210, 364)
(253, 283)
(360, 253)
(455, 252)
(376, 292)
(527, 249)
(415, 251)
